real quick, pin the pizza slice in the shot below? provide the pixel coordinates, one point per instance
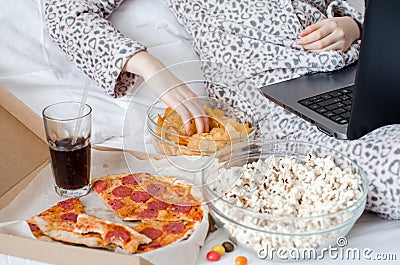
(67, 222)
(143, 197)
(163, 233)
(63, 209)
(67, 236)
(58, 223)
(111, 233)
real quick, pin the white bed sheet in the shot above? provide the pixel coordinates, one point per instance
(36, 71)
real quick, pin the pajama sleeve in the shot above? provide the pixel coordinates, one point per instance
(338, 8)
(81, 29)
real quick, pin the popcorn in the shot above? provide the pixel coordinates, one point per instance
(288, 187)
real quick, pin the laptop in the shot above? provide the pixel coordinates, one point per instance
(353, 101)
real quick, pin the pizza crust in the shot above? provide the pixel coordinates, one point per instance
(90, 240)
(91, 224)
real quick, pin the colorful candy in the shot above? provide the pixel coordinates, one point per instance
(228, 246)
(241, 260)
(219, 249)
(213, 256)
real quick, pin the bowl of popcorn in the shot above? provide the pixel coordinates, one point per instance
(284, 199)
(228, 125)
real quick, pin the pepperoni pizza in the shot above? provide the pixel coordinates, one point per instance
(145, 197)
(165, 208)
(111, 233)
(163, 233)
(68, 222)
(63, 215)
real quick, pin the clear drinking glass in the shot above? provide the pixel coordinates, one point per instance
(68, 130)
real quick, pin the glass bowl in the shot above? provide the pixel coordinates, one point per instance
(172, 143)
(284, 221)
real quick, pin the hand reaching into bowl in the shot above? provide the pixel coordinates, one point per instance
(173, 92)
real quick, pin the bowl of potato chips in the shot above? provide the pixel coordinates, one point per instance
(228, 125)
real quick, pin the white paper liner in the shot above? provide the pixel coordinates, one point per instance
(40, 195)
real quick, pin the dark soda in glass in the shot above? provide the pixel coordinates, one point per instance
(71, 163)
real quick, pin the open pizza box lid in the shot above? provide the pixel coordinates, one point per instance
(25, 156)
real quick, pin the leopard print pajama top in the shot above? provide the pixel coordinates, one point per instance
(242, 45)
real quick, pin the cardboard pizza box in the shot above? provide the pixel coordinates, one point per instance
(24, 153)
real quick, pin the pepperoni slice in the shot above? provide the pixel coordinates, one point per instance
(157, 205)
(152, 244)
(118, 235)
(130, 180)
(67, 204)
(151, 232)
(148, 213)
(69, 217)
(115, 204)
(122, 191)
(33, 227)
(174, 228)
(140, 196)
(181, 208)
(100, 185)
(155, 189)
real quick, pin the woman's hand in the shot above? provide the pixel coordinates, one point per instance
(169, 89)
(337, 33)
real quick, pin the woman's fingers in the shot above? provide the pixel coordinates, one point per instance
(322, 44)
(322, 35)
(313, 33)
(197, 112)
(188, 106)
(333, 41)
(334, 46)
(336, 33)
(199, 115)
(185, 115)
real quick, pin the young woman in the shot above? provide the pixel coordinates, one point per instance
(113, 61)
(243, 45)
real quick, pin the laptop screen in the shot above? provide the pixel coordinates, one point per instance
(377, 95)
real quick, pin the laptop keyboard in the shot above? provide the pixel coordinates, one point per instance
(335, 105)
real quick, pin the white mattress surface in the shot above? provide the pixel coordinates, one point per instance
(38, 73)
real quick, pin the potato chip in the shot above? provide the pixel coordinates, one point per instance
(223, 130)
